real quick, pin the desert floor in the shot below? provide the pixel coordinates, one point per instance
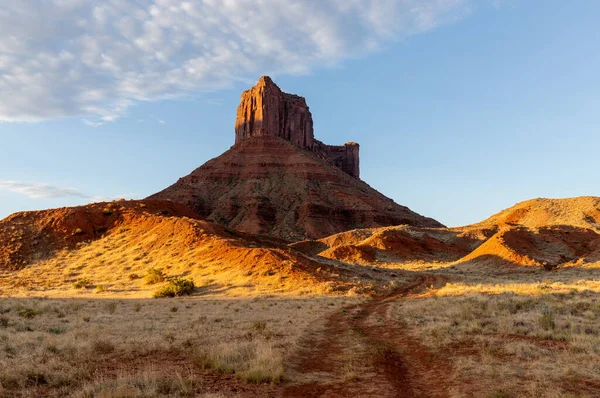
(436, 331)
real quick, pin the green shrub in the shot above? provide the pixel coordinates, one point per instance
(176, 287)
(155, 275)
(82, 283)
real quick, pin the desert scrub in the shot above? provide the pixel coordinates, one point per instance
(254, 362)
(82, 283)
(546, 320)
(155, 275)
(107, 349)
(176, 287)
(29, 313)
(510, 337)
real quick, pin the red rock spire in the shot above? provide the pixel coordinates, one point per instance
(265, 110)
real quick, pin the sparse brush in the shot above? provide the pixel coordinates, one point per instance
(112, 307)
(546, 320)
(176, 287)
(29, 313)
(103, 346)
(155, 275)
(82, 283)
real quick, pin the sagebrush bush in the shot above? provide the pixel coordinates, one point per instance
(546, 320)
(176, 287)
(82, 283)
(29, 313)
(103, 346)
(155, 275)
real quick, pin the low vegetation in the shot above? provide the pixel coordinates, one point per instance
(510, 339)
(95, 348)
(176, 287)
(155, 275)
(82, 283)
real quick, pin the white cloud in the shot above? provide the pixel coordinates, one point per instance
(64, 58)
(46, 191)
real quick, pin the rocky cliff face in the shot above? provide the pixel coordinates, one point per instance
(265, 110)
(278, 180)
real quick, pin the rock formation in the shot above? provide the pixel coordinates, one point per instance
(278, 180)
(265, 110)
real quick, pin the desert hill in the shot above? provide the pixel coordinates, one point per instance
(539, 232)
(582, 212)
(116, 244)
(278, 180)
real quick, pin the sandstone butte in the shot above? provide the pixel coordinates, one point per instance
(278, 180)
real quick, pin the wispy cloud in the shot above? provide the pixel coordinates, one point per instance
(47, 191)
(158, 120)
(38, 191)
(61, 58)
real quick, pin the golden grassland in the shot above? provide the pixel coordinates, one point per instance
(513, 335)
(154, 347)
(506, 332)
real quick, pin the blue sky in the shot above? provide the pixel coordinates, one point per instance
(462, 108)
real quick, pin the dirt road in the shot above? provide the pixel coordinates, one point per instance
(364, 352)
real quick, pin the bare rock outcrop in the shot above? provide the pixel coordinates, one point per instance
(265, 110)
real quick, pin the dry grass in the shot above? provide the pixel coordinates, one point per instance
(96, 347)
(527, 339)
(125, 266)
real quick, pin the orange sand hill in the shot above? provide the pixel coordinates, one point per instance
(539, 232)
(391, 244)
(278, 180)
(582, 212)
(114, 244)
(35, 235)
